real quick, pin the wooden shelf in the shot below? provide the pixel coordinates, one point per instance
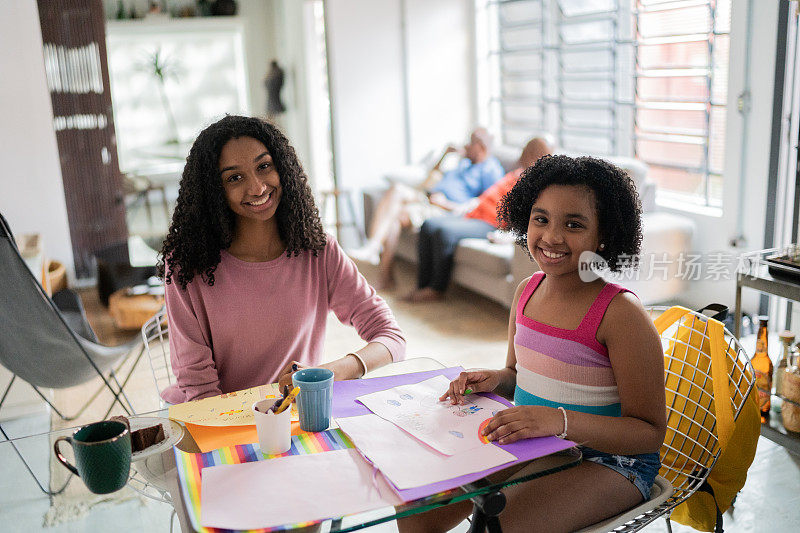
(160, 25)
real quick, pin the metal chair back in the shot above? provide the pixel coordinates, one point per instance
(155, 335)
(691, 448)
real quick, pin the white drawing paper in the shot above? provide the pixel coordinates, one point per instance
(448, 428)
(409, 463)
(290, 490)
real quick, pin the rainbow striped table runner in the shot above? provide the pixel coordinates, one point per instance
(190, 466)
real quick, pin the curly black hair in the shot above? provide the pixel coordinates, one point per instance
(619, 210)
(203, 224)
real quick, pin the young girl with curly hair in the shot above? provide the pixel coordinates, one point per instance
(250, 274)
(584, 360)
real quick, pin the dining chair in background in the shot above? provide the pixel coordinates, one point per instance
(137, 189)
(155, 336)
(48, 343)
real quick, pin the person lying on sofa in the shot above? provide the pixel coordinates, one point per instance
(403, 205)
(439, 236)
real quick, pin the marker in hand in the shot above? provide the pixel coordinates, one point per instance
(468, 391)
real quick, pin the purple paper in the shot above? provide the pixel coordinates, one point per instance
(346, 392)
(346, 405)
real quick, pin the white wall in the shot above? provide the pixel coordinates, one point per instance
(288, 28)
(402, 82)
(441, 73)
(366, 89)
(257, 16)
(31, 190)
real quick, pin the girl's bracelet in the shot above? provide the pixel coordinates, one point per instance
(361, 362)
(563, 434)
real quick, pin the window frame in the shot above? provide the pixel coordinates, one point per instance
(624, 133)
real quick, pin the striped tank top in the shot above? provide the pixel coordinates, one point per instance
(565, 367)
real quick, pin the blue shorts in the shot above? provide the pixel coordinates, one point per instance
(641, 470)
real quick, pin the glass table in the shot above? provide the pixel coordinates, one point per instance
(156, 477)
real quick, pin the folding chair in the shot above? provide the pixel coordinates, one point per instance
(48, 342)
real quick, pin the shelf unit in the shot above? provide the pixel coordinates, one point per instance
(754, 274)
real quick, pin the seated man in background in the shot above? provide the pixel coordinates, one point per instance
(439, 236)
(403, 205)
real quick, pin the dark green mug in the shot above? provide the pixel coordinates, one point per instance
(102, 453)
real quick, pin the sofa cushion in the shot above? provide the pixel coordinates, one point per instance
(507, 155)
(494, 259)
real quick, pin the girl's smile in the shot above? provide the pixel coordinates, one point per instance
(551, 256)
(261, 203)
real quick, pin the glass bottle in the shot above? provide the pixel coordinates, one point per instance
(794, 357)
(763, 368)
(787, 338)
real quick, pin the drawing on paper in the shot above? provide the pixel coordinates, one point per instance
(230, 409)
(483, 438)
(417, 410)
(465, 410)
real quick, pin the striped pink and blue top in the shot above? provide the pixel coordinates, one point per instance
(565, 367)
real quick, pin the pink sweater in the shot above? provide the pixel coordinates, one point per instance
(257, 317)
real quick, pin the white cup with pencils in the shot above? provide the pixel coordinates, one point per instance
(274, 424)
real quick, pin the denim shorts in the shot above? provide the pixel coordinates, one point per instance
(641, 470)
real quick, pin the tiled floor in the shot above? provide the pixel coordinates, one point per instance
(23, 507)
(465, 330)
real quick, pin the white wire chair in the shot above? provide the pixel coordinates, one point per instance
(155, 335)
(691, 447)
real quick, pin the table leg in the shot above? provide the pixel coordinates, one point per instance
(175, 493)
(485, 510)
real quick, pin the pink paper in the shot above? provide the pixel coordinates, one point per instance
(409, 463)
(345, 404)
(291, 490)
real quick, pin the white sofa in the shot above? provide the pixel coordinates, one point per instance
(495, 269)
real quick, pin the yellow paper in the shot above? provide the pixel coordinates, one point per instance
(230, 409)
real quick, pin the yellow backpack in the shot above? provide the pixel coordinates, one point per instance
(705, 375)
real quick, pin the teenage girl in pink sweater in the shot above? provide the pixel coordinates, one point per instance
(584, 360)
(250, 274)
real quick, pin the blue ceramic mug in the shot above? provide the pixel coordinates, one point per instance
(314, 403)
